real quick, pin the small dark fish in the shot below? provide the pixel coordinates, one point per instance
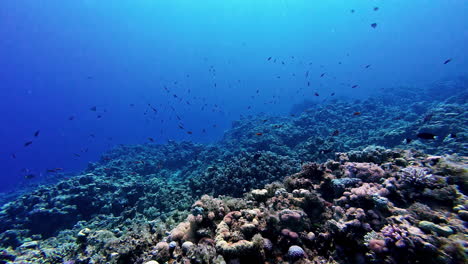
(203, 130)
(325, 151)
(94, 109)
(323, 74)
(308, 83)
(13, 155)
(29, 176)
(99, 116)
(335, 133)
(189, 132)
(332, 94)
(257, 156)
(181, 127)
(356, 113)
(269, 58)
(36, 134)
(367, 66)
(76, 155)
(447, 61)
(352, 10)
(27, 143)
(426, 136)
(71, 118)
(408, 140)
(376, 8)
(453, 135)
(316, 94)
(373, 25)
(258, 134)
(151, 139)
(354, 86)
(132, 105)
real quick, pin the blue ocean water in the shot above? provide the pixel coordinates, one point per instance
(144, 65)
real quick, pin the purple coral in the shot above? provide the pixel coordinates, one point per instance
(296, 252)
(416, 176)
(395, 234)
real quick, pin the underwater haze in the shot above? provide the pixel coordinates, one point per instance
(233, 131)
(60, 58)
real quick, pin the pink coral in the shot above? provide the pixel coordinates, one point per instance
(366, 171)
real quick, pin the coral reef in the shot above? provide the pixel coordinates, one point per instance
(299, 192)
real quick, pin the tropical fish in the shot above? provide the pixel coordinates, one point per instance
(426, 135)
(29, 176)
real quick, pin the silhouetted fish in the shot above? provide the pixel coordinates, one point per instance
(354, 86)
(356, 113)
(335, 133)
(151, 139)
(376, 8)
(316, 94)
(269, 58)
(36, 134)
(94, 109)
(426, 135)
(13, 155)
(373, 25)
(27, 143)
(323, 74)
(367, 66)
(447, 61)
(29, 176)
